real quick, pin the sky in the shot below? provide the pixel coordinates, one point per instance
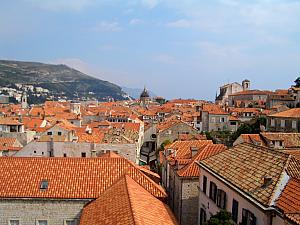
(176, 48)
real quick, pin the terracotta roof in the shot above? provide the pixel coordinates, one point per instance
(96, 135)
(245, 166)
(126, 202)
(168, 124)
(9, 144)
(233, 118)
(253, 139)
(192, 169)
(252, 92)
(214, 109)
(68, 178)
(294, 152)
(190, 137)
(110, 154)
(9, 121)
(289, 200)
(32, 123)
(183, 148)
(291, 140)
(291, 113)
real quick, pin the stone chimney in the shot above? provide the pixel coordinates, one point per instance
(194, 150)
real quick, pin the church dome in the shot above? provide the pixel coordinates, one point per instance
(145, 94)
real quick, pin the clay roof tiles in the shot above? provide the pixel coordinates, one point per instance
(127, 203)
(68, 178)
(246, 165)
(192, 169)
(291, 113)
(289, 200)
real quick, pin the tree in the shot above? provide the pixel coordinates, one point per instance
(221, 218)
(165, 143)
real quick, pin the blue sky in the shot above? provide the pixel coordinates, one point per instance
(177, 48)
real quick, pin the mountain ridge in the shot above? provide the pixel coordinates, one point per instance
(60, 80)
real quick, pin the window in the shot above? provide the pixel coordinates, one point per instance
(14, 222)
(83, 154)
(202, 216)
(70, 222)
(49, 133)
(204, 184)
(213, 120)
(44, 184)
(235, 210)
(221, 199)
(42, 222)
(65, 154)
(222, 120)
(272, 123)
(282, 123)
(213, 191)
(59, 133)
(248, 218)
(294, 124)
(232, 123)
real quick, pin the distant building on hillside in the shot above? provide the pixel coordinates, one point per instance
(229, 89)
(145, 98)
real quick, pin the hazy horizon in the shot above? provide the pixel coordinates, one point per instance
(177, 49)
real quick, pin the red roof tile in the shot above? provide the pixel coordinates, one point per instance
(126, 202)
(68, 178)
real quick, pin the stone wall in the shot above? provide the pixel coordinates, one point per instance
(74, 149)
(28, 211)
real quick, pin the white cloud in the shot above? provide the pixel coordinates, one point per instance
(182, 23)
(150, 3)
(59, 5)
(135, 21)
(105, 26)
(164, 58)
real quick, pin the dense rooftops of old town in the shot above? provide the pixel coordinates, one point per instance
(119, 159)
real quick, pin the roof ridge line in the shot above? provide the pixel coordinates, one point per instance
(130, 198)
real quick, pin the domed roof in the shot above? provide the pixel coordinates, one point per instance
(246, 80)
(145, 93)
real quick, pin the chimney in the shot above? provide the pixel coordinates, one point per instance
(194, 150)
(266, 181)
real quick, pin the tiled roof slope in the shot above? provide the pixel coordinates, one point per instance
(183, 148)
(289, 200)
(68, 178)
(291, 113)
(126, 203)
(291, 140)
(192, 169)
(245, 166)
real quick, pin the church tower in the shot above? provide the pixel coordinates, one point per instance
(24, 103)
(144, 98)
(246, 85)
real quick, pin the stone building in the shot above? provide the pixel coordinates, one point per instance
(257, 185)
(184, 181)
(229, 89)
(145, 98)
(285, 121)
(214, 118)
(56, 191)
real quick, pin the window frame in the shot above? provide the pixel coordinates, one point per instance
(204, 184)
(13, 219)
(221, 199)
(37, 222)
(213, 191)
(248, 218)
(235, 211)
(72, 220)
